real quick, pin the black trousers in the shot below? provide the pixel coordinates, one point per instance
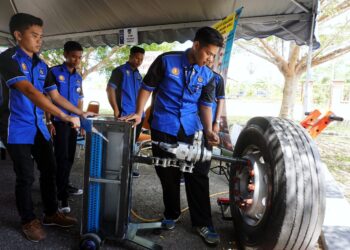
(22, 156)
(196, 183)
(65, 143)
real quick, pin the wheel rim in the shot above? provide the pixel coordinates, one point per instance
(251, 187)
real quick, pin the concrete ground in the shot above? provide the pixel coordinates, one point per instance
(147, 203)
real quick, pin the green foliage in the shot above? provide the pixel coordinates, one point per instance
(53, 57)
(106, 58)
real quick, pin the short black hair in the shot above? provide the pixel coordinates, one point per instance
(136, 49)
(72, 46)
(208, 35)
(22, 21)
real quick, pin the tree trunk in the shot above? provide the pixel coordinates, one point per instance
(289, 94)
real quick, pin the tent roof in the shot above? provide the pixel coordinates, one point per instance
(97, 22)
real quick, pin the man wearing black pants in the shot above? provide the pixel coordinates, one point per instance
(64, 80)
(183, 84)
(23, 73)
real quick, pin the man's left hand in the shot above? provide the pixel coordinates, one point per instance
(212, 138)
(89, 114)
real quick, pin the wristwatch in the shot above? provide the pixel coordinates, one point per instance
(49, 123)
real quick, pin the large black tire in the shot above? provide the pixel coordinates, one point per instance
(278, 201)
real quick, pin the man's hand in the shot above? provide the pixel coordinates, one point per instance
(212, 138)
(82, 132)
(51, 129)
(75, 121)
(216, 127)
(89, 114)
(116, 113)
(132, 117)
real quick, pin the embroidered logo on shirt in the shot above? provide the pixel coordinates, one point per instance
(61, 78)
(41, 72)
(24, 67)
(79, 90)
(200, 79)
(128, 72)
(175, 71)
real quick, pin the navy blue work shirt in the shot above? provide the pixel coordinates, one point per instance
(179, 88)
(69, 85)
(25, 118)
(219, 91)
(126, 82)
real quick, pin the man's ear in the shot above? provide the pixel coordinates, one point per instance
(17, 35)
(196, 45)
(65, 54)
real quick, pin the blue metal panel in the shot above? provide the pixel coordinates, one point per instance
(93, 224)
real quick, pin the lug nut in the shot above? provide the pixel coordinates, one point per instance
(251, 187)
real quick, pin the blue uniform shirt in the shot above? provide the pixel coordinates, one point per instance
(25, 118)
(219, 91)
(69, 85)
(127, 83)
(178, 88)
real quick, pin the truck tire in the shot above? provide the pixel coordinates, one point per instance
(278, 201)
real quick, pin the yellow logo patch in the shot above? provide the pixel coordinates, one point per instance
(200, 79)
(61, 78)
(175, 71)
(24, 67)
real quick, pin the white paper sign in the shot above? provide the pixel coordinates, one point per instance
(128, 36)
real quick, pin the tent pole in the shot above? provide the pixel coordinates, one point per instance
(14, 7)
(307, 100)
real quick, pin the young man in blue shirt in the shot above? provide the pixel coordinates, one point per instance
(123, 88)
(65, 81)
(23, 72)
(124, 85)
(182, 83)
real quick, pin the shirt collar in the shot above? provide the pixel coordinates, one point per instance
(186, 63)
(129, 67)
(65, 68)
(35, 57)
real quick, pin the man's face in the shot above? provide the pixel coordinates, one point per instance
(204, 54)
(73, 58)
(31, 39)
(136, 60)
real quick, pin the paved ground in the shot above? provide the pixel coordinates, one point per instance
(147, 203)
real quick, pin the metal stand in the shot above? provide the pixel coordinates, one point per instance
(133, 228)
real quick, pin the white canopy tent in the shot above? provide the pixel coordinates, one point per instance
(97, 23)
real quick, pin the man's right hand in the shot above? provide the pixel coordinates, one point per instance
(51, 129)
(116, 114)
(132, 117)
(75, 121)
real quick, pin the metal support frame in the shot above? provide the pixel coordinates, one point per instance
(307, 99)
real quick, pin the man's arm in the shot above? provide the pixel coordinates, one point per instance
(114, 84)
(113, 101)
(42, 102)
(220, 96)
(205, 113)
(142, 99)
(63, 102)
(219, 108)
